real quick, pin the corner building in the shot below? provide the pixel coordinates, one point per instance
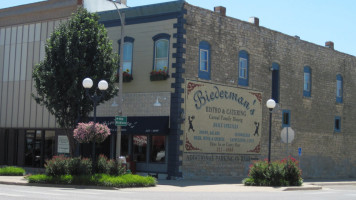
(205, 115)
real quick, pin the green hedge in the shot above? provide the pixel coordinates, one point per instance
(12, 171)
(276, 173)
(127, 180)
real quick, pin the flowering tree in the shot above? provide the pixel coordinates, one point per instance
(91, 132)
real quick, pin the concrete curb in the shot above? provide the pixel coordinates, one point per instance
(296, 188)
(59, 185)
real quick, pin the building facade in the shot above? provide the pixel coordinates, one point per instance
(196, 95)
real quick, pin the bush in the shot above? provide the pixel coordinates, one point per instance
(12, 171)
(61, 165)
(111, 167)
(127, 180)
(277, 173)
(292, 172)
(85, 166)
(57, 166)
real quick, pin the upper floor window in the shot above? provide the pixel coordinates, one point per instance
(339, 88)
(307, 82)
(337, 124)
(161, 52)
(275, 82)
(243, 68)
(128, 54)
(127, 58)
(204, 60)
(286, 118)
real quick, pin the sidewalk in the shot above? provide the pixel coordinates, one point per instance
(196, 185)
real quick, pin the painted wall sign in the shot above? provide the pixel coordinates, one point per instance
(222, 119)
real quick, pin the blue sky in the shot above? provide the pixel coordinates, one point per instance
(315, 21)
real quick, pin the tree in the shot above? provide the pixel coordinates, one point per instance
(77, 49)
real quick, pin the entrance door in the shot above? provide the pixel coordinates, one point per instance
(149, 153)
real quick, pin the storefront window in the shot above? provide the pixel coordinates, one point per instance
(139, 148)
(39, 147)
(49, 144)
(30, 136)
(158, 149)
(124, 145)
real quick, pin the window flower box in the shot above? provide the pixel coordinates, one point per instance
(126, 77)
(158, 75)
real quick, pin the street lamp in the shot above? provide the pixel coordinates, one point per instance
(270, 105)
(102, 85)
(122, 20)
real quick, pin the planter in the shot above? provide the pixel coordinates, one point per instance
(158, 77)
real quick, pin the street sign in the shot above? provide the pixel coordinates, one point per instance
(120, 121)
(300, 151)
(287, 135)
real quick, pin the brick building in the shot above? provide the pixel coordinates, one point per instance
(208, 117)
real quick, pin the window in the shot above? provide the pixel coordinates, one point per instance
(307, 82)
(275, 82)
(139, 148)
(339, 88)
(204, 60)
(286, 118)
(204, 65)
(128, 54)
(243, 68)
(337, 124)
(127, 58)
(158, 149)
(161, 52)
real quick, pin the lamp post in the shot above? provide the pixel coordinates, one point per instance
(122, 20)
(270, 105)
(102, 85)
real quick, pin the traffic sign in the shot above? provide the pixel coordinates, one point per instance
(287, 135)
(300, 151)
(120, 121)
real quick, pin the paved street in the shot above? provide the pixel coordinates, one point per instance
(180, 190)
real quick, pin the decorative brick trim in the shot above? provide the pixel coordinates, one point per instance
(176, 100)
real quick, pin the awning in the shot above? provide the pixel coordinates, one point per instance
(139, 125)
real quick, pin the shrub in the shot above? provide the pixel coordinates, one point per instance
(57, 166)
(12, 171)
(292, 172)
(85, 166)
(277, 173)
(111, 167)
(60, 165)
(101, 166)
(73, 166)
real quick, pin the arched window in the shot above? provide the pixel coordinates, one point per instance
(307, 82)
(243, 68)
(204, 60)
(339, 88)
(161, 52)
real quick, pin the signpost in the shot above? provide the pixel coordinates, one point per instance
(120, 120)
(300, 154)
(287, 136)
